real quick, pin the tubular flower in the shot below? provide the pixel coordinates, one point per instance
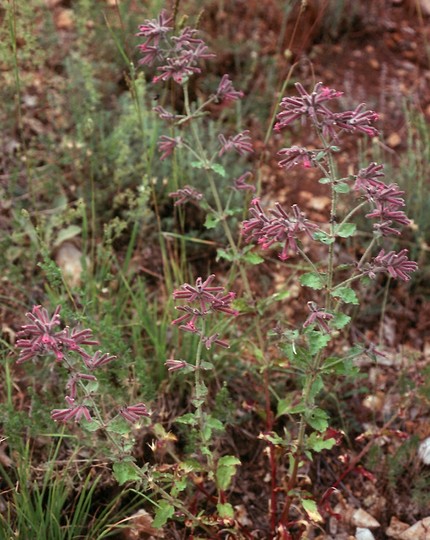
(40, 336)
(369, 177)
(397, 265)
(241, 143)
(154, 29)
(318, 316)
(98, 359)
(132, 413)
(209, 299)
(312, 106)
(166, 145)
(295, 155)
(225, 92)
(281, 228)
(239, 184)
(186, 194)
(74, 411)
(306, 105)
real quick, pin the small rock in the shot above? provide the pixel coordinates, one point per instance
(363, 534)
(65, 20)
(374, 403)
(425, 6)
(319, 203)
(362, 519)
(396, 528)
(424, 451)
(419, 531)
(394, 140)
(69, 259)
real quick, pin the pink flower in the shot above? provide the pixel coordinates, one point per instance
(239, 184)
(358, 120)
(295, 155)
(175, 365)
(74, 411)
(154, 29)
(166, 115)
(132, 413)
(225, 92)
(41, 336)
(98, 359)
(179, 69)
(241, 143)
(318, 316)
(281, 228)
(209, 341)
(306, 105)
(167, 145)
(186, 194)
(209, 299)
(73, 339)
(369, 177)
(73, 381)
(397, 265)
(312, 106)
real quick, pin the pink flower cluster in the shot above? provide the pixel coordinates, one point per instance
(397, 265)
(205, 299)
(313, 107)
(43, 337)
(186, 194)
(386, 199)
(178, 55)
(241, 143)
(318, 316)
(280, 227)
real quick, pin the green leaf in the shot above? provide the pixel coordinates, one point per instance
(341, 187)
(340, 320)
(225, 510)
(223, 254)
(346, 294)
(201, 390)
(214, 423)
(312, 280)
(189, 419)
(324, 180)
(206, 366)
(317, 443)
(119, 425)
(226, 469)
(66, 234)
(323, 237)
(164, 512)
(284, 406)
(252, 258)
(316, 388)
(92, 386)
(311, 509)
(317, 418)
(178, 486)
(94, 425)
(346, 230)
(211, 221)
(219, 169)
(317, 340)
(298, 409)
(125, 471)
(198, 164)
